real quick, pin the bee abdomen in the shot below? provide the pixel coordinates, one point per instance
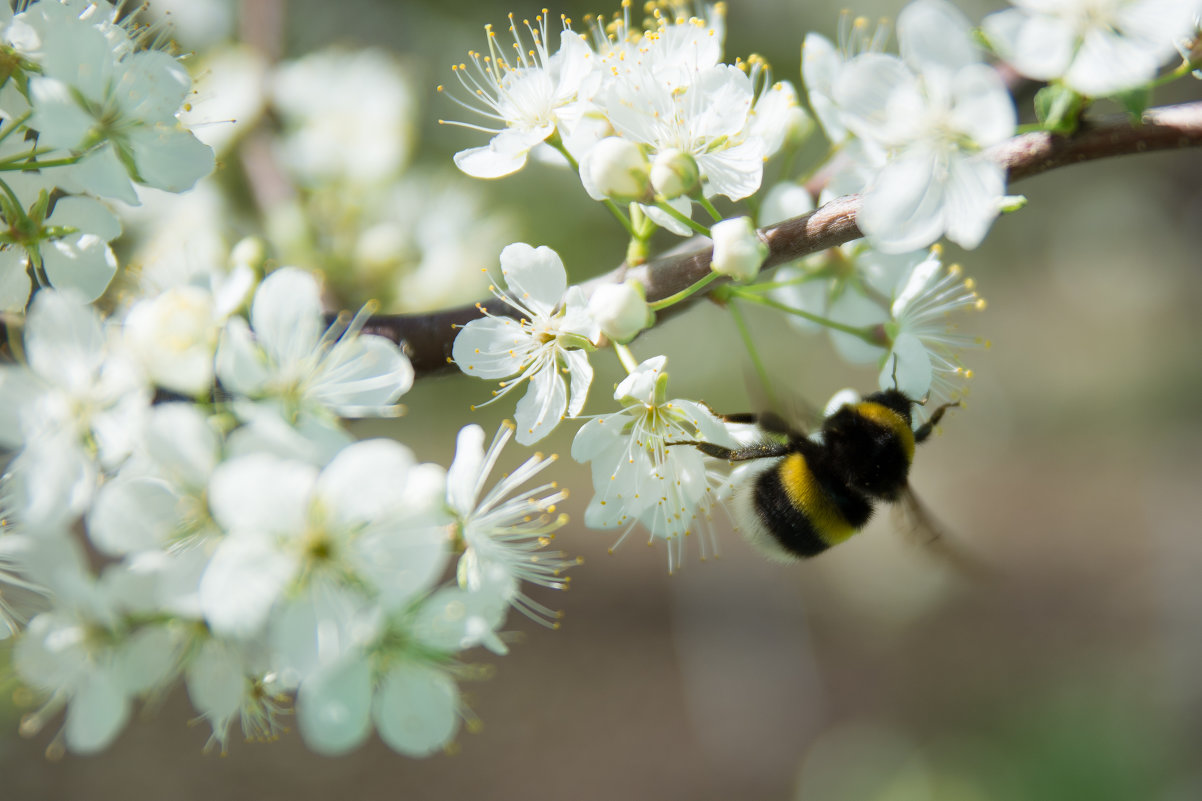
(804, 512)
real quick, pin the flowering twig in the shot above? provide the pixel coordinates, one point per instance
(427, 337)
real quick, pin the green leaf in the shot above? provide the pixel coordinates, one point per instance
(1135, 102)
(1058, 108)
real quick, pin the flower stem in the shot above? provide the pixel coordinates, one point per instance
(705, 204)
(698, 227)
(29, 166)
(1185, 68)
(620, 217)
(760, 371)
(768, 286)
(17, 123)
(556, 142)
(626, 357)
(684, 293)
(869, 333)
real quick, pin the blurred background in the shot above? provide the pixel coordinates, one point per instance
(873, 673)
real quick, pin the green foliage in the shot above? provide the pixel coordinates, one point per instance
(1058, 108)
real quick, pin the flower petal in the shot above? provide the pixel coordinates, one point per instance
(542, 407)
(535, 276)
(333, 707)
(98, 711)
(241, 584)
(492, 347)
(262, 494)
(463, 477)
(360, 484)
(83, 262)
(416, 709)
(286, 315)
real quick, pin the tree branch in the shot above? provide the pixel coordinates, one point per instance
(427, 338)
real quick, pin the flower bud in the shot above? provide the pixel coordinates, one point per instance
(617, 169)
(738, 249)
(675, 173)
(250, 252)
(620, 310)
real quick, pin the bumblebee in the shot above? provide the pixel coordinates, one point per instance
(813, 493)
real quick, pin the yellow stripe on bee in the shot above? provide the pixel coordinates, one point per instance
(806, 495)
(884, 416)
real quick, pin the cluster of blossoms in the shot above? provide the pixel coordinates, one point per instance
(182, 502)
(248, 547)
(333, 137)
(87, 112)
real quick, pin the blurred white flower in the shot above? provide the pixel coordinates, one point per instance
(77, 405)
(175, 337)
(1097, 47)
(822, 61)
(229, 97)
(99, 96)
(348, 115)
(932, 113)
(554, 329)
(421, 244)
(158, 501)
(196, 24)
(83, 654)
(370, 528)
(293, 361)
(221, 686)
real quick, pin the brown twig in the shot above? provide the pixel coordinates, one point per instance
(427, 338)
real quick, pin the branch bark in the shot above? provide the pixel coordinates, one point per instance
(427, 338)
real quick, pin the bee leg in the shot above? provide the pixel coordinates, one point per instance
(926, 428)
(736, 454)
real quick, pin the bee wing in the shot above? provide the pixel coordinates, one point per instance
(785, 413)
(919, 526)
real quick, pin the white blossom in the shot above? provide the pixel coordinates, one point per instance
(1097, 47)
(372, 514)
(716, 116)
(506, 528)
(83, 654)
(924, 359)
(222, 686)
(554, 329)
(294, 361)
(348, 115)
(932, 113)
(99, 96)
(637, 477)
(75, 407)
(527, 97)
